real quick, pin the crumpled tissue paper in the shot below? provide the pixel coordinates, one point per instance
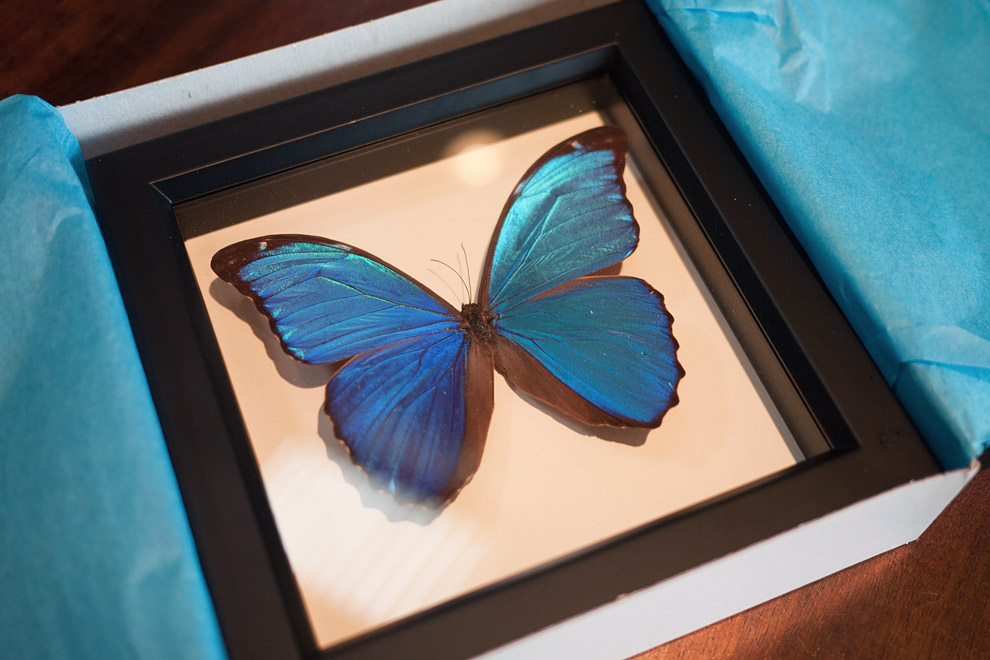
(869, 125)
(96, 556)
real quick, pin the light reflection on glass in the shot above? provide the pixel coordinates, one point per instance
(475, 165)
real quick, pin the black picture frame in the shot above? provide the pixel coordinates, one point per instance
(872, 445)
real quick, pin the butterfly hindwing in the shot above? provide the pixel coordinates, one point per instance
(414, 414)
(606, 339)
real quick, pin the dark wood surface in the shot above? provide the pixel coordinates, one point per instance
(76, 49)
(929, 599)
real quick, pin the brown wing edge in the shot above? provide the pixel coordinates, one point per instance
(479, 402)
(228, 262)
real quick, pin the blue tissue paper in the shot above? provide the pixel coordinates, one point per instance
(869, 125)
(96, 557)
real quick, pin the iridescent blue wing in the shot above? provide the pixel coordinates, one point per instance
(415, 414)
(603, 341)
(567, 217)
(598, 348)
(414, 401)
(327, 301)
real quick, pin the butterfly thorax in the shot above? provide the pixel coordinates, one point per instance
(478, 322)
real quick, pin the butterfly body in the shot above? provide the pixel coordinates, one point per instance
(478, 322)
(413, 399)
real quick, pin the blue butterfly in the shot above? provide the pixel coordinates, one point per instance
(414, 399)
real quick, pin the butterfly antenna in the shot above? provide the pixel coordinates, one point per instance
(454, 271)
(467, 270)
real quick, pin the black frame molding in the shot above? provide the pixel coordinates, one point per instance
(874, 445)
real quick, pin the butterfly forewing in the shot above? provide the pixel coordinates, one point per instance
(328, 301)
(567, 217)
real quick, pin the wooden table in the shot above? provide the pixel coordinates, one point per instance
(929, 599)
